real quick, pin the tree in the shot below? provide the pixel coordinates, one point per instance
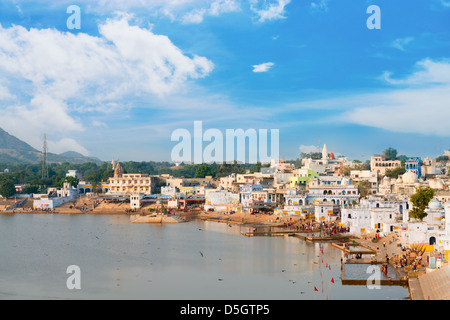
(355, 166)
(96, 187)
(203, 170)
(402, 159)
(312, 155)
(442, 159)
(225, 169)
(7, 188)
(30, 189)
(390, 153)
(256, 167)
(394, 173)
(420, 201)
(72, 180)
(364, 187)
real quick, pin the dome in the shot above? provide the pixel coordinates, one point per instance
(410, 178)
(435, 204)
(436, 184)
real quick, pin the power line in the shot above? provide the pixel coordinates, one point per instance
(44, 158)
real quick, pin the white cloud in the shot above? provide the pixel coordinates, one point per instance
(269, 10)
(5, 94)
(66, 144)
(422, 107)
(418, 103)
(100, 124)
(321, 5)
(400, 43)
(308, 149)
(186, 11)
(445, 3)
(216, 8)
(263, 67)
(422, 111)
(58, 75)
(427, 72)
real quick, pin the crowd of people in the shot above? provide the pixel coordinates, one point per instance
(326, 229)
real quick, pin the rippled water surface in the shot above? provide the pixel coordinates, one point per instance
(195, 260)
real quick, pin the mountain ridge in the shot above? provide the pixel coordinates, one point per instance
(14, 150)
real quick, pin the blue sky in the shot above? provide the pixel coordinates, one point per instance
(136, 71)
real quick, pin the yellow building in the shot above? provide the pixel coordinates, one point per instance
(131, 183)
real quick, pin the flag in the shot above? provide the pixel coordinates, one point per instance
(332, 280)
(315, 289)
(329, 267)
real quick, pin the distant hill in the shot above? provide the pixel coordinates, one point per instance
(14, 150)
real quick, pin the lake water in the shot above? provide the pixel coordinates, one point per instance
(196, 260)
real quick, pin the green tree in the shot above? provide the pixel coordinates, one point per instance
(420, 201)
(203, 170)
(225, 169)
(355, 166)
(312, 155)
(402, 158)
(96, 187)
(7, 188)
(364, 187)
(30, 189)
(394, 173)
(72, 180)
(390, 153)
(256, 167)
(442, 159)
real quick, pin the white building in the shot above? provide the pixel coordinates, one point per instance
(375, 214)
(228, 183)
(219, 199)
(361, 175)
(335, 189)
(135, 200)
(173, 203)
(326, 212)
(169, 190)
(55, 198)
(74, 174)
(433, 230)
(295, 203)
(445, 239)
(435, 214)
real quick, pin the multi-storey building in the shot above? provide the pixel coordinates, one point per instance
(131, 183)
(414, 164)
(380, 164)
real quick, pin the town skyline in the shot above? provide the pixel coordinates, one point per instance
(117, 82)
